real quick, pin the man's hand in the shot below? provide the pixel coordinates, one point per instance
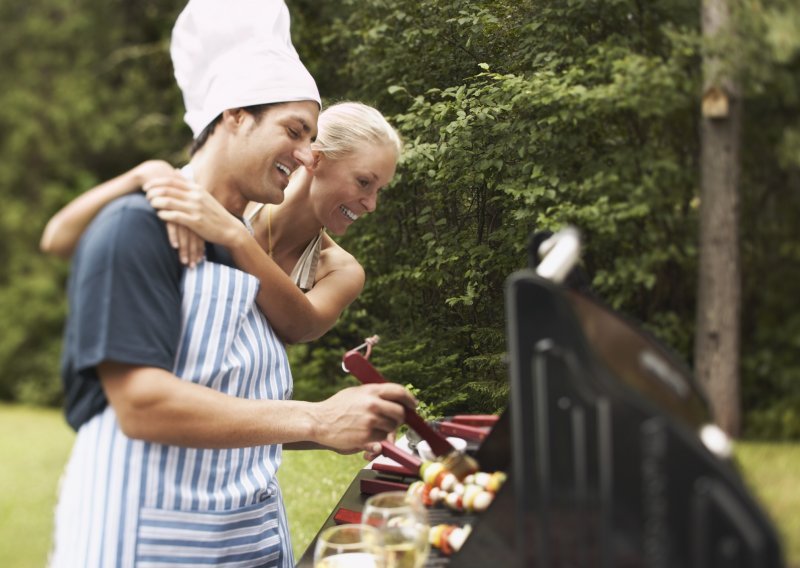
(359, 418)
(374, 450)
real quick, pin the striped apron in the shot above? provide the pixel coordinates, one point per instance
(128, 502)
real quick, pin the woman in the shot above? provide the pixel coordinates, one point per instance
(354, 156)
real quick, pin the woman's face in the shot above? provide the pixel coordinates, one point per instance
(344, 189)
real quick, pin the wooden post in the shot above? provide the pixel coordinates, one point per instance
(717, 336)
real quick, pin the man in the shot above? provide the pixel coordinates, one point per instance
(176, 383)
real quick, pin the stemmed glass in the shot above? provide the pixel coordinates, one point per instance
(402, 523)
(349, 546)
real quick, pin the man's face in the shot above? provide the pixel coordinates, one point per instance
(265, 151)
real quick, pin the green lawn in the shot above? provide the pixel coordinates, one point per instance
(773, 471)
(309, 504)
(34, 445)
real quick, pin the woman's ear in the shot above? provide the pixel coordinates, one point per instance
(316, 159)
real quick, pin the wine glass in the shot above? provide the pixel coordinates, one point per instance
(349, 546)
(402, 522)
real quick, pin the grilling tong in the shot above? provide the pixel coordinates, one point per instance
(458, 463)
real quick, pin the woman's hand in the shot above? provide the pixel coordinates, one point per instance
(151, 170)
(185, 204)
(190, 246)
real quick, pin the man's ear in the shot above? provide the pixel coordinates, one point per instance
(233, 118)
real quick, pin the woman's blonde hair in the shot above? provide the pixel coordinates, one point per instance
(345, 127)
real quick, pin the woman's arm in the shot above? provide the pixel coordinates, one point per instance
(64, 230)
(295, 316)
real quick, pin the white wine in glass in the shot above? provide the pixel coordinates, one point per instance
(402, 522)
(349, 546)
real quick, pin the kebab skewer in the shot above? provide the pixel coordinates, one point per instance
(438, 485)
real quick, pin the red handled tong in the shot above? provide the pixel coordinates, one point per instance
(459, 464)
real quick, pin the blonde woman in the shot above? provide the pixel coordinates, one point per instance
(353, 157)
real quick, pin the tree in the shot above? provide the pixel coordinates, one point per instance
(719, 285)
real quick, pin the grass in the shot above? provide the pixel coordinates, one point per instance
(35, 443)
(772, 470)
(312, 483)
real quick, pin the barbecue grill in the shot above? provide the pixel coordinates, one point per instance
(612, 457)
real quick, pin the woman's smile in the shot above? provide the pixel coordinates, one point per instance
(348, 213)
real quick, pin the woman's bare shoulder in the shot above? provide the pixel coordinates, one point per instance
(335, 258)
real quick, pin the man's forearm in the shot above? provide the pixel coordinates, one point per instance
(154, 405)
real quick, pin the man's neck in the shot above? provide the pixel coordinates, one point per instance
(209, 175)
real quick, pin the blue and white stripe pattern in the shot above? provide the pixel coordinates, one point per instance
(132, 503)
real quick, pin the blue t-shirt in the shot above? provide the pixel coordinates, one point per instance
(124, 295)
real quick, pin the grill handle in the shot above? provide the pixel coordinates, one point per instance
(559, 254)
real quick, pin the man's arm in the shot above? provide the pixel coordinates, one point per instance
(154, 405)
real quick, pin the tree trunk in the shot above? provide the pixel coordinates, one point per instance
(717, 338)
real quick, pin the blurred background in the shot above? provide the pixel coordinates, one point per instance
(519, 115)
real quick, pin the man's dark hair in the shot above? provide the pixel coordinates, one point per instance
(257, 111)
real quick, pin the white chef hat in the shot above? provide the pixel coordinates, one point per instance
(236, 53)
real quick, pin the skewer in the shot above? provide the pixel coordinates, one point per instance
(394, 469)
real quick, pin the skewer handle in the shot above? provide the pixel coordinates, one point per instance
(403, 458)
(463, 430)
(346, 516)
(394, 469)
(475, 419)
(373, 486)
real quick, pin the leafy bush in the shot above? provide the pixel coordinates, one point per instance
(518, 116)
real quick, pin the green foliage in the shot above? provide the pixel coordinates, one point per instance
(89, 95)
(770, 209)
(517, 116)
(522, 116)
